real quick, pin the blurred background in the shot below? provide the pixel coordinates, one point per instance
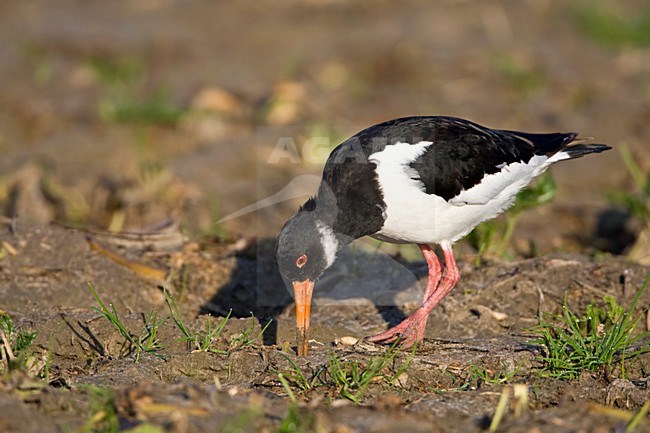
(121, 115)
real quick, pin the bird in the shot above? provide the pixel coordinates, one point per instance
(424, 180)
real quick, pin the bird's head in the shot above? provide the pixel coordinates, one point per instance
(305, 248)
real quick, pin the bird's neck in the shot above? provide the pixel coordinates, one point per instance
(330, 241)
(324, 214)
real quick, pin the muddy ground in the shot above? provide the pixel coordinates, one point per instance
(130, 131)
(482, 327)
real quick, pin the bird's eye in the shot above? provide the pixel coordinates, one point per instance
(302, 261)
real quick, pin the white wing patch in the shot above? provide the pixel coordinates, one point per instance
(400, 154)
(509, 180)
(393, 165)
(413, 216)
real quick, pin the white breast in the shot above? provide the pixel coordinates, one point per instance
(412, 216)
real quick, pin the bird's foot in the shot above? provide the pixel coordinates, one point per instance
(409, 332)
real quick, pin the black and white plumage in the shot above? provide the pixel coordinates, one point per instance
(422, 180)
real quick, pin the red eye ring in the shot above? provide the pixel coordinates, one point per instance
(302, 261)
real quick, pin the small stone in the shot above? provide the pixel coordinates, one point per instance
(348, 340)
(498, 315)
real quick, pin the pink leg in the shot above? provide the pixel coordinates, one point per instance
(435, 270)
(411, 330)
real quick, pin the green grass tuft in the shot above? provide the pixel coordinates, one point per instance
(248, 337)
(345, 378)
(14, 344)
(208, 339)
(295, 376)
(352, 377)
(145, 341)
(202, 341)
(491, 376)
(600, 337)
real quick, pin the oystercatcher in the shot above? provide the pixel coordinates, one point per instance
(422, 180)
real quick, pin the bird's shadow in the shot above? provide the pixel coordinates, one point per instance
(256, 287)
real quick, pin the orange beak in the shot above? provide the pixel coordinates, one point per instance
(302, 291)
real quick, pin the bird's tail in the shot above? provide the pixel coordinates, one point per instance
(548, 143)
(578, 150)
(560, 145)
